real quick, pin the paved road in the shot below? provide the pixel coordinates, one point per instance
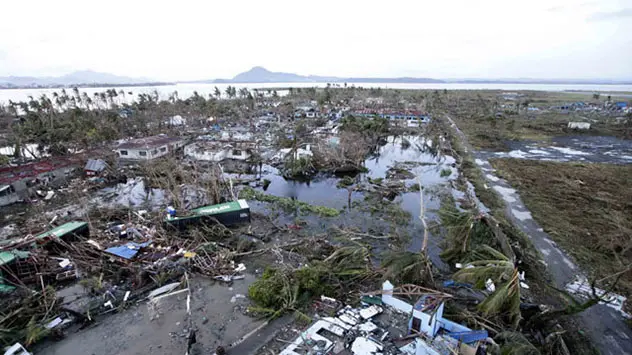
(603, 325)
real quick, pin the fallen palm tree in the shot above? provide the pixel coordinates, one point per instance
(286, 289)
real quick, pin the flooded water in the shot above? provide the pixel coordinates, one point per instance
(593, 149)
(322, 190)
(434, 172)
(186, 90)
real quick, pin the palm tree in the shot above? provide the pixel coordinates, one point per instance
(243, 93)
(229, 91)
(500, 270)
(217, 93)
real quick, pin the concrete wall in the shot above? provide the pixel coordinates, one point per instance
(197, 152)
(150, 153)
(8, 195)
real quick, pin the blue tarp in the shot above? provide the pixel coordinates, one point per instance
(469, 337)
(127, 251)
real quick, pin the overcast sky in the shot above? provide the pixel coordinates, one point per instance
(191, 39)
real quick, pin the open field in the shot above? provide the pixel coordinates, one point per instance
(490, 119)
(586, 208)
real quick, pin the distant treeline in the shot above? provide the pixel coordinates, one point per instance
(91, 85)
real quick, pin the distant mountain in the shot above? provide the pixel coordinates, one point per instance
(84, 77)
(262, 75)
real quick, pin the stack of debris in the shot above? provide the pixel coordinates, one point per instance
(376, 327)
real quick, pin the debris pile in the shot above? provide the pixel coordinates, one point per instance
(387, 325)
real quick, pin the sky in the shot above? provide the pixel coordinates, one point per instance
(207, 39)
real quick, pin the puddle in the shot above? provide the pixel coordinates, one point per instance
(507, 193)
(594, 149)
(569, 151)
(521, 215)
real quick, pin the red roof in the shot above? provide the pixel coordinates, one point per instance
(11, 174)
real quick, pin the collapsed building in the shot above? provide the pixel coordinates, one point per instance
(369, 329)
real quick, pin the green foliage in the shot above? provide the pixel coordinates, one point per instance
(406, 267)
(376, 126)
(22, 321)
(514, 343)
(445, 172)
(280, 290)
(506, 298)
(301, 167)
(391, 211)
(34, 332)
(266, 183)
(345, 182)
(92, 283)
(4, 160)
(287, 203)
(466, 233)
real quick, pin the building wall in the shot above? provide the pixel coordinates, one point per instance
(149, 153)
(52, 179)
(8, 196)
(196, 152)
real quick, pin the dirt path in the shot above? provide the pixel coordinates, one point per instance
(604, 326)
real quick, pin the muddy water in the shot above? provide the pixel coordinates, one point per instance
(593, 149)
(323, 191)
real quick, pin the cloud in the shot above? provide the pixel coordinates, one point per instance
(611, 15)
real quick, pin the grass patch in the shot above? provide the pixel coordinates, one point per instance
(287, 203)
(586, 208)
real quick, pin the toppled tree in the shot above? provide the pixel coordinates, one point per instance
(287, 203)
(505, 299)
(409, 267)
(285, 289)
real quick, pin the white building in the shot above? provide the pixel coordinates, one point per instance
(217, 151)
(8, 195)
(148, 148)
(176, 120)
(579, 125)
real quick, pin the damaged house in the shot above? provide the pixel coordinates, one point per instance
(149, 148)
(369, 329)
(20, 182)
(29, 259)
(233, 154)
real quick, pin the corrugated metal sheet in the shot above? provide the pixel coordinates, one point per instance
(96, 165)
(127, 251)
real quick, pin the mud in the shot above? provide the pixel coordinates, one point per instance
(218, 315)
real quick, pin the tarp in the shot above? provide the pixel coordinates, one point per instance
(127, 251)
(469, 337)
